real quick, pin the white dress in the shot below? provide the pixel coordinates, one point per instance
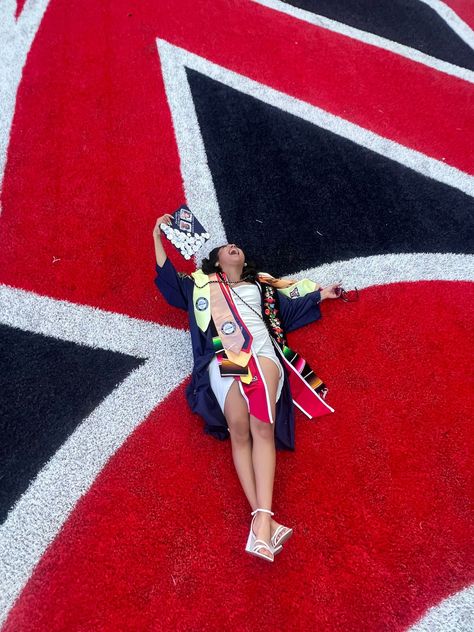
(261, 344)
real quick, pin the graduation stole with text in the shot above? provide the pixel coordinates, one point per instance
(232, 344)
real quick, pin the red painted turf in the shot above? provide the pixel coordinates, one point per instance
(378, 494)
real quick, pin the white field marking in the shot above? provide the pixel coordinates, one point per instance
(197, 179)
(42, 510)
(363, 272)
(453, 614)
(16, 39)
(196, 174)
(39, 514)
(452, 19)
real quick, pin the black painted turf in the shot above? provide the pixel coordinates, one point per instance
(409, 22)
(303, 179)
(48, 386)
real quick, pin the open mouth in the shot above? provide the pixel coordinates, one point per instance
(234, 251)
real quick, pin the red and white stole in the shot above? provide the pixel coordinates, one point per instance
(236, 338)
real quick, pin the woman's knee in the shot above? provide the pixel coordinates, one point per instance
(239, 428)
(261, 430)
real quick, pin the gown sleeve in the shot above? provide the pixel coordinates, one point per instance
(297, 312)
(174, 286)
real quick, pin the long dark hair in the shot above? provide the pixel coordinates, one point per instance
(249, 272)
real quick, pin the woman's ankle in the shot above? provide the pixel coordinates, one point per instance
(262, 519)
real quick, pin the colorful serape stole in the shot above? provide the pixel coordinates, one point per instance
(307, 389)
(227, 368)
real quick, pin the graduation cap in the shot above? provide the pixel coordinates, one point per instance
(185, 232)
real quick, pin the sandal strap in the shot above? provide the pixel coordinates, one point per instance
(260, 509)
(279, 533)
(261, 544)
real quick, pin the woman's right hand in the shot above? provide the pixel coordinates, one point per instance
(164, 219)
(331, 291)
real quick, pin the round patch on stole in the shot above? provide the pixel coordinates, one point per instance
(202, 303)
(228, 328)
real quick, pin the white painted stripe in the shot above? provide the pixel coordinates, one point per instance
(408, 52)
(16, 39)
(453, 614)
(363, 272)
(199, 176)
(40, 512)
(197, 179)
(453, 20)
(82, 324)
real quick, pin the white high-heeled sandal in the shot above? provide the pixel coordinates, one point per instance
(255, 545)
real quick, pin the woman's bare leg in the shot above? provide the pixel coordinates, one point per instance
(263, 453)
(237, 417)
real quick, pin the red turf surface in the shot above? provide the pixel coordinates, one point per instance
(378, 495)
(101, 156)
(379, 492)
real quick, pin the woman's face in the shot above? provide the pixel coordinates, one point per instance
(230, 254)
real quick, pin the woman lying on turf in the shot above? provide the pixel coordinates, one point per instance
(245, 378)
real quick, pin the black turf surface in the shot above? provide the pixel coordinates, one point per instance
(47, 387)
(409, 22)
(304, 179)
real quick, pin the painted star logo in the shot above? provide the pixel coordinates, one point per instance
(299, 139)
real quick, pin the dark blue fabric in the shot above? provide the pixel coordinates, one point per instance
(177, 289)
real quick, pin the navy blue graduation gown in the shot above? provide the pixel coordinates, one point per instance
(177, 289)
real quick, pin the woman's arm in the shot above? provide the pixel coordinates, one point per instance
(173, 285)
(297, 312)
(159, 250)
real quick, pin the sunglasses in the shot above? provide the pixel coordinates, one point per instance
(342, 293)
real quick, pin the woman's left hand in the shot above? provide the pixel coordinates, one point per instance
(331, 291)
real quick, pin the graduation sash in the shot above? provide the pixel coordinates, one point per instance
(290, 287)
(233, 348)
(202, 293)
(236, 338)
